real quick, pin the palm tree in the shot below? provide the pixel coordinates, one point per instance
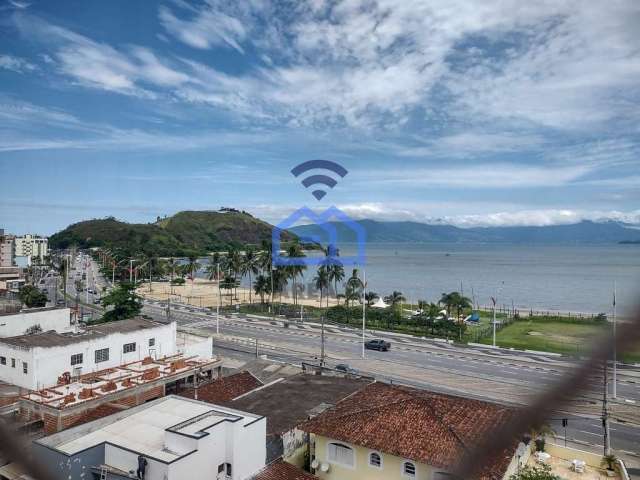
(262, 286)
(280, 277)
(235, 264)
(395, 298)
(250, 266)
(192, 268)
(351, 294)
(321, 282)
(266, 263)
(371, 297)
(229, 282)
(295, 251)
(336, 274)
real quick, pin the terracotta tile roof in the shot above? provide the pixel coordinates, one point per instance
(283, 471)
(427, 427)
(224, 389)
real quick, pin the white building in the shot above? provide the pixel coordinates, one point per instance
(174, 438)
(31, 246)
(41, 319)
(37, 361)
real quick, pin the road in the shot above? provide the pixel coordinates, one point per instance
(482, 373)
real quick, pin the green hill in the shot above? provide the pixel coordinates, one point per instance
(183, 234)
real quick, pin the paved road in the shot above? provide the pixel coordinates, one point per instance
(411, 361)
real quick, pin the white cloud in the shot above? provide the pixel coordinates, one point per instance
(530, 217)
(208, 28)
(15, 64)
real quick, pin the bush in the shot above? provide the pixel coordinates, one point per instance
(178, 281)
(540, 443)
(542, 472)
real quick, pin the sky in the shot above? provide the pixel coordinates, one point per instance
(469, 113)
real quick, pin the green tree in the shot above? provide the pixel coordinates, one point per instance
(295, 271)
(321, 282)
(371, 297)
(262, 286)
(250, 266)
(541, 472)
(336, 274)
(32, 297)
(124, 303)
(192, 267)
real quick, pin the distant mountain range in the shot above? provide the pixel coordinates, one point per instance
(183, 234)
(585, 232)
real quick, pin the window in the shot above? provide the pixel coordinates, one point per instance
(375, 460)
(13, 363)
(25, 367)
(3, 360)
(102, 355)
(341, 454)
(152, 342)
(409, 469)
(129, 347)
(76, 359)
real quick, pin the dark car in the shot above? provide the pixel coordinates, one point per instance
(343, 367)
(380, 345)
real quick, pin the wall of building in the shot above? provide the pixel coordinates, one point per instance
(74, 467)
(126, 461)
(58, 319)
(47, 364)
(31, 246)
(249, 449)
(391, 465)
(7, 250)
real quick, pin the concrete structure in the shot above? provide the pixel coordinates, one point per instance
(174, 438)
(20, 323)
(31, 246)
(37, 361)
(95, 395)
(7, 250)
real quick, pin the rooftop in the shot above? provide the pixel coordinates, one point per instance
(427, 427)
(224, 389)
(32, 310)
(142, 429)
(283, 471)
(106, 382)
(52, 338)
(311, 393)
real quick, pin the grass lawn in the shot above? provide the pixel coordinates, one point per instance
(567, 337)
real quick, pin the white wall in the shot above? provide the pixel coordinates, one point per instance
(47, 364)
(16, 324)
(190, 345)
(126, 461)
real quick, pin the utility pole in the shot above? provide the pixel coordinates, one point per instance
(494, 300)
(322, 345)
(218, 305)
(364, 308)
(131, 260)
(615, 353)
(605, 413)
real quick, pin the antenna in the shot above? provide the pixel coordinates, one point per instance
(318, 181)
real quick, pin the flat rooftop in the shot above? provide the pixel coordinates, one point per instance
(143, 429)
(52, 338)
(105, 383)
(310, 393)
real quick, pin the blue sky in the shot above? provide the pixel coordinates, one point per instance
(493, 113)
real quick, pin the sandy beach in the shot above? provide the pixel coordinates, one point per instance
(204, 293)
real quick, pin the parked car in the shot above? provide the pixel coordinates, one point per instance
(60, 301)
(377, 344)
(343, 367)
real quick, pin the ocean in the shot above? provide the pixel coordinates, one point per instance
(565, 278)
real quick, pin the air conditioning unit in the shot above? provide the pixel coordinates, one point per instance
(324, 467)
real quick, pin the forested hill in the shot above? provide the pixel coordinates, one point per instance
(183, 234)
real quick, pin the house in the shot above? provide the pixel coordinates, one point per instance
(42, 319)
(35, 361)
(171, 438)
(280, 470)
(386, 432)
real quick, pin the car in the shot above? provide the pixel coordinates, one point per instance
(97, 301)
(60, 301)
(377, 344)
(343, 367)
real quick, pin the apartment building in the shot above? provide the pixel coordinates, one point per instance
(37, 360)
(7, 250)
(31, 246)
